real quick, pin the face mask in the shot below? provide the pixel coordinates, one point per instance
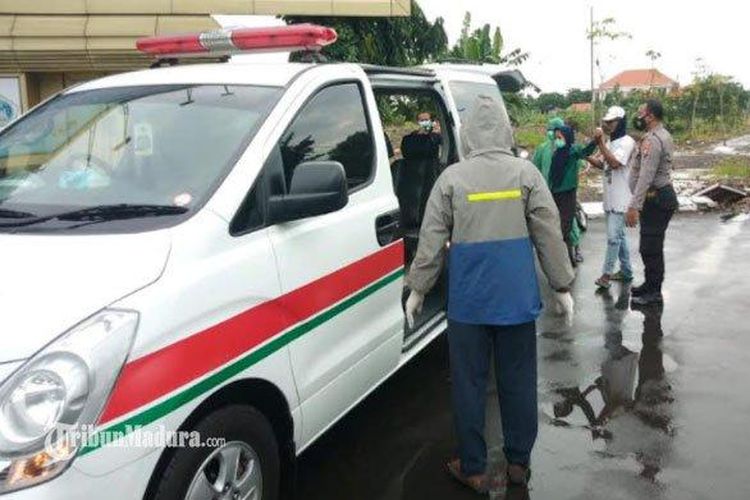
(425, 124)
(639, 123)
(559, 143)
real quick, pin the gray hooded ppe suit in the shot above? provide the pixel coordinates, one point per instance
(494, 209)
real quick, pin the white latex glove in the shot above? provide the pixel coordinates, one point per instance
(563, 306)
(413, 307)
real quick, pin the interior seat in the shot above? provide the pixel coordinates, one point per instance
(415, 176)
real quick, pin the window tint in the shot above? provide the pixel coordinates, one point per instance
(332, 126)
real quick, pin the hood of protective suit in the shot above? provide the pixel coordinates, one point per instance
(555, 123)
(487, 129)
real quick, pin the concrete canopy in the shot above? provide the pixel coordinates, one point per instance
(100, 35)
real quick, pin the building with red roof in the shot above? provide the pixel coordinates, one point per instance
(580, 107)
(638, 79)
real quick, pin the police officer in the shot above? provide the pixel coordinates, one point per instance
(654, 200)
(494, 209)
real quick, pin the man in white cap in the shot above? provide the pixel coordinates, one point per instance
(614, 161)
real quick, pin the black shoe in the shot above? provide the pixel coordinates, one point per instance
(639, 290)
(648, 299)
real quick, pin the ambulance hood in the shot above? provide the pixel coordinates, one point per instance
(48, 284)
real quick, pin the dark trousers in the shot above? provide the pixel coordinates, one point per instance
(566, 205)
(657, 211)
(514, 352)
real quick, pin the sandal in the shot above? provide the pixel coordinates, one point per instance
(603, 282)
(480, 483)
(518, 475)
(620, 276)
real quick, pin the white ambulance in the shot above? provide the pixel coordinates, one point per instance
(202, 265)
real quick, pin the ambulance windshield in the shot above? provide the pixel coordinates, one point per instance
(154, 146)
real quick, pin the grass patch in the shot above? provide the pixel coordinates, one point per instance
(530, 137)
(708, 132)
(737, 167)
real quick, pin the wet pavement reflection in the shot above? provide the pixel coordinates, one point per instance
(631, 397)
(634, 404)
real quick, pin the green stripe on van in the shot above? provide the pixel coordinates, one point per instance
(172, 403)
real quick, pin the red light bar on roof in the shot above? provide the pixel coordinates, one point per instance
(296, 37)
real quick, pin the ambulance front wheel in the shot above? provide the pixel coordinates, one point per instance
(241, 461)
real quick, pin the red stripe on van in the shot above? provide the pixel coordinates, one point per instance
(155, 375)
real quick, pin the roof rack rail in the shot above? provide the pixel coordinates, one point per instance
(312, 56)
(176, 61)
(458, 60)
(372, 69)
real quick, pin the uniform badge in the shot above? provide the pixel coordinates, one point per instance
(645, 147)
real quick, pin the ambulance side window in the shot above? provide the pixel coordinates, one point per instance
(333, 125)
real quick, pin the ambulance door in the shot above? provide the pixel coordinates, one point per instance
(340, 283)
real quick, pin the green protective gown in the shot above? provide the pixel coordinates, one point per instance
(543, 160)
(576, 235)
(578, 153)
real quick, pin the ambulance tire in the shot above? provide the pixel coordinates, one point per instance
(235, 423)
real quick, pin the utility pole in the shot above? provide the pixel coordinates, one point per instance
(593, 91)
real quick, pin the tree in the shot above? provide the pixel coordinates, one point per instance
(479, 46)
(550, 101)
(654, 56)
(700, 73)
(578, 95)
(465, 30)
(598, 32)
(615, 97)
(716, 98)
(602, 30)
(405, 41)
(497, 43)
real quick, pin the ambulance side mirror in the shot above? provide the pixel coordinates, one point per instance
(317, 188)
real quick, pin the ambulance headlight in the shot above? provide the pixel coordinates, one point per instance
(59, 391)
(52, 392)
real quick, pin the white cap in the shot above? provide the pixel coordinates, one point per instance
(614, 113)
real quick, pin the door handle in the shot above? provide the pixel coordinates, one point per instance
(387, 227)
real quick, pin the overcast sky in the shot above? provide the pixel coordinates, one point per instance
(554, 32)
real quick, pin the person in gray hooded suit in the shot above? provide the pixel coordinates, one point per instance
(494, 209)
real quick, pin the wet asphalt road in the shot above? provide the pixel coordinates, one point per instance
(651, 404)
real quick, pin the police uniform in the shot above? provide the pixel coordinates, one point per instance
(494, 209)
(655, 198)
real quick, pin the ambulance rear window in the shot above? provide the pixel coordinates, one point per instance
(465, 93)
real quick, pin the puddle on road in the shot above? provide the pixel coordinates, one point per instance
(712, 260)
(623, 408)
